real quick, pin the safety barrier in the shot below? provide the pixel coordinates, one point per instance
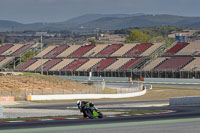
(83, 96)
(193, 100)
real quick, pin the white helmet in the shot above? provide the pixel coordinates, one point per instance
(78, 102)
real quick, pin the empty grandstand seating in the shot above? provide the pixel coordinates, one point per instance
(89, 64)
(117, 64)
(45, 51)
(23, 66)
(2, 58)
(14, 48)
(36, 64)
(131, 64)
(82, 50)
(103, 64)
(109, 50)
(61, 64)
(69, 51)
(95, 50)
(193, 66)
(152, 49)
(123, 50)
(174, 63)
(57, 50)
(22, 49)
(154, 63)
(175, 49)
(191, 49)
(75, 64)
(49, 64)
(5, 47)
(138, 49)
(6, 61)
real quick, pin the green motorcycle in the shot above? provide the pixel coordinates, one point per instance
(91, 112)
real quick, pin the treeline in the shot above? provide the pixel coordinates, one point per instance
(152, 31)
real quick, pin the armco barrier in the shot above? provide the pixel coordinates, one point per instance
(83, 96)
(193, 100)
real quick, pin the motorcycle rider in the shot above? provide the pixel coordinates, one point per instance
(82, 105)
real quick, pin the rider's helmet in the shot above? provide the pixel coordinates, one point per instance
(78, 102)
(91, 104)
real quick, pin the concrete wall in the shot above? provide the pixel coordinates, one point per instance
(83, 96)
(172, 80)
(193, 100)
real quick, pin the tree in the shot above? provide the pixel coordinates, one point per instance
(138, 36)
(92, 41)
(1, 42)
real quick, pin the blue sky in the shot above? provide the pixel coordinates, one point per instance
(28, 11)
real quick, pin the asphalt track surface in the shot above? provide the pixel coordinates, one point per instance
(184, 119)
(181, 112)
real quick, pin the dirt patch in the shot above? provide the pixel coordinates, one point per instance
(20, 86)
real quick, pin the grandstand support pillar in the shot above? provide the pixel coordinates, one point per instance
(41, 47)
(14, 64)
(20, 58)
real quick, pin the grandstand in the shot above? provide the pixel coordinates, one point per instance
(85, 58)
(10, 52)
(145, 59)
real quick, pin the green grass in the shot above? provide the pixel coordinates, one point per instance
(30, 74)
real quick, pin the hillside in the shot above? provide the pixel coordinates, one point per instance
(89, 22)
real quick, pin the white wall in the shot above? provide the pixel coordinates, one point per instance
(83, 96)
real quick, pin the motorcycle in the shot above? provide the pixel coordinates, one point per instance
(91, 112)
